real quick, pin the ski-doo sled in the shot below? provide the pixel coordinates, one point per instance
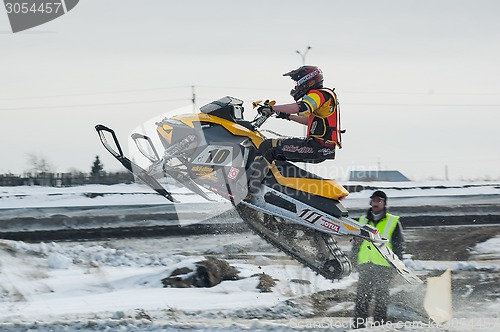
(295, 210)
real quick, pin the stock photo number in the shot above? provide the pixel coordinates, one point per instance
(26, 14)
(25, 7)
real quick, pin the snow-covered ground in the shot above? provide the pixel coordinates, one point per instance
(89, 195)
(399, 193)
(115, 285)
(118, 284)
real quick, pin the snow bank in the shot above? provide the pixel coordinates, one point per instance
(90, 195)
(489, 247)
(58, 281)
(137, 194)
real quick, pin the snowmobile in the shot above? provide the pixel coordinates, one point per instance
(295, 210)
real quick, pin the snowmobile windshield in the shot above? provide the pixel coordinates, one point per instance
(228, 108)
(238, 112)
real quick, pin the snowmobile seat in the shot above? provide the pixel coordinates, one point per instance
(289, 175)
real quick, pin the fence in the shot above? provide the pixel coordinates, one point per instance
(64, 179)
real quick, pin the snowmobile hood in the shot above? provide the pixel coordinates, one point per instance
(233, 127)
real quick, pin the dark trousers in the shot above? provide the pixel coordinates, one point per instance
(291, 149)
(296, 149)
(373, 286)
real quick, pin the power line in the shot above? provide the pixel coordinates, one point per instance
(422, 105)
(95, 93)
(244, 88)
(237, 88)
(210, 99)
(192, 87)
(93, 105)
(422, 93)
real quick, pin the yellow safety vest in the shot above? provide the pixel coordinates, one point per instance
(367, 252)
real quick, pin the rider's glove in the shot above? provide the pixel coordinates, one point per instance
(282, 115)
(266, 110)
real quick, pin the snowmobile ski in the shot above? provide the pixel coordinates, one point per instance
(138, 171)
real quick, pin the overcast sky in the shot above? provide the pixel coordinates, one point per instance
(418, 81)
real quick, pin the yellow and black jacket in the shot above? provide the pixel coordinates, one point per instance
(321, 106)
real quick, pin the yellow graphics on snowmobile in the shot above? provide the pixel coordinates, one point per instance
(232, 127)
(325, 188)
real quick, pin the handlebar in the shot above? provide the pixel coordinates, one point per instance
(259, 120)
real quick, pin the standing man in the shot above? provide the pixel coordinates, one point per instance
(375, 273)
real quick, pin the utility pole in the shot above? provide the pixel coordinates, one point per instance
(303, 55)
(193, 98)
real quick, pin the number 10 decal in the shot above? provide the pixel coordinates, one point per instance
(216, 155)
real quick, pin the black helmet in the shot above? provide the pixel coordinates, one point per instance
(379, 194)
(307, 78)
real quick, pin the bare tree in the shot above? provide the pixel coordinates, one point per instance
(39, 165)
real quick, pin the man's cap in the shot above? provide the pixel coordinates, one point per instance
(379, 194)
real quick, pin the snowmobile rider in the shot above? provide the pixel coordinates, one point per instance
(316, 107)
(375, 273)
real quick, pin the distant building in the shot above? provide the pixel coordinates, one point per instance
(389, 176)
